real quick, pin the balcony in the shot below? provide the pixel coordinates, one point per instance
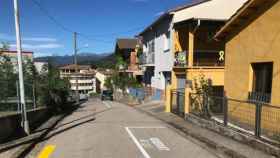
(148, 59)
(180, 59)
(203, 58)
(259, 97)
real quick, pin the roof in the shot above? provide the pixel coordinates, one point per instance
(243, 14)
(127, 43)
(73, 66)
(15, 52)
(106, 72)
(215, 10)
(170, 12)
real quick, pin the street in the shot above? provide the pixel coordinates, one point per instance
(113, 130)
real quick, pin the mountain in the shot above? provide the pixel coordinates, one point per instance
(106, 60)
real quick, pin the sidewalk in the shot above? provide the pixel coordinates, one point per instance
(222, 144)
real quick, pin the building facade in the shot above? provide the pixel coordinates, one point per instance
(253, 64)
(196, 52)
(101, 76)
(157, 60)
(85, 78)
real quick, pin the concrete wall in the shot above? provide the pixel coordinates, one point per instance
(257, 42)
(10, 124)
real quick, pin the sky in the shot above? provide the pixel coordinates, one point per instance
(99, 22)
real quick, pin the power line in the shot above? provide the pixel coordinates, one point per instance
(88, 37)
(42, 9)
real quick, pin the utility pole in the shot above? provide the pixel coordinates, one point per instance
(20, 71)
(76, 68)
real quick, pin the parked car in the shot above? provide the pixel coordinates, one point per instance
(83, 97)
(107, 95)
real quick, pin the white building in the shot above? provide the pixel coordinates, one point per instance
(85, 77)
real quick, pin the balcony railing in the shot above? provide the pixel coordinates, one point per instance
(259, 97)
(201, 58)
(180, 59)
(147, 59)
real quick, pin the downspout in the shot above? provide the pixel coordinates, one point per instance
(197, 26)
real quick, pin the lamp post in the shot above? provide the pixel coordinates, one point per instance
(20, 71)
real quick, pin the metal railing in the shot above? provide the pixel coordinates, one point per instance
(212, 58)
(180, 59)
(178, 102)
(147, 59)
(10, 100)
(253, 117)
(261, 97)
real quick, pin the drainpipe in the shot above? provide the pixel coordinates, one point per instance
(197, 26)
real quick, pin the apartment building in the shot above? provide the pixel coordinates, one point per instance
(156, 60)
(84, 80)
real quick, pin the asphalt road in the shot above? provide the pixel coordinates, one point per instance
(113, 130)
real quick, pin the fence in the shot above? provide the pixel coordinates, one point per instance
(253, 117)
(178, 102)
(10, 97)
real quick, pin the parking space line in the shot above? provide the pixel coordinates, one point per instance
(143, 151)
(47, 151)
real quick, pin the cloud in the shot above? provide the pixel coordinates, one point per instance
(159, 13)
(39, 39)
(28, 39)
(39, 46)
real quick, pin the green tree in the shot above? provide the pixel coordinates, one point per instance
(54, 90)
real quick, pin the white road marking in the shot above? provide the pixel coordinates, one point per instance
(143, 151)
(107, 104)
(159, 144)
(146, 143)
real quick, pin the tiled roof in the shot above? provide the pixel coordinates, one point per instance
(127, 43)
(73, 66)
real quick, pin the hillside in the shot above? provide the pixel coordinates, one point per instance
(106, 60)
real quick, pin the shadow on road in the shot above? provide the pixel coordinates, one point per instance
(48, 134)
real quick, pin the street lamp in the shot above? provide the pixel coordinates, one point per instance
(20, 71)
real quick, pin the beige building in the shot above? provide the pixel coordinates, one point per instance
(101, 76)
(26, 55)
(85, 78)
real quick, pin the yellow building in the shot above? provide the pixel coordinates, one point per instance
(196, 52)
(252, 66)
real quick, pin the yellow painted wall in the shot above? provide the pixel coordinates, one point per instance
(215, 74)
(258, 42)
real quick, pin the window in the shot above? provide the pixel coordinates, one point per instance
(152, 46)
(166, 41)
(262, 82)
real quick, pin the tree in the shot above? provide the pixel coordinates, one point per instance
(201, 100)
(54, 90)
